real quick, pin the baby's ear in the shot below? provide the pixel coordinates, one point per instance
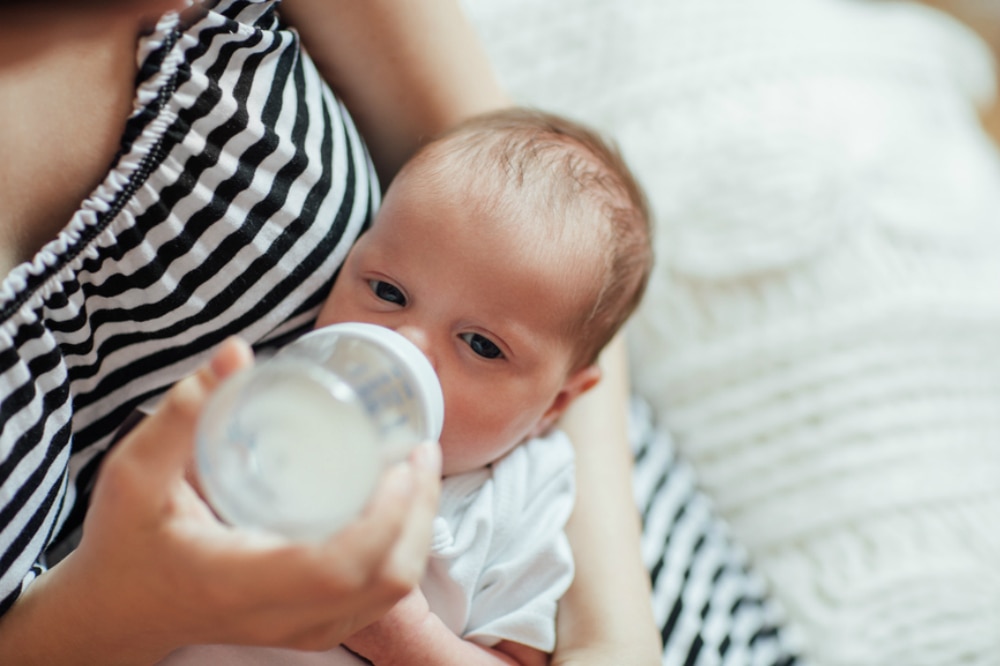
(575, 385)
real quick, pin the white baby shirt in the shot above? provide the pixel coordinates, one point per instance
(500, 560)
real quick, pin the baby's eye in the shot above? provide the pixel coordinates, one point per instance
(482, 346)
(387, 292)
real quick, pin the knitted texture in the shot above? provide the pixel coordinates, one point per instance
(822, 330)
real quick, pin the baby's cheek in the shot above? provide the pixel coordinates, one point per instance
(337, 307)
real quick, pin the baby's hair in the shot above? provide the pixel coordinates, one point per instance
(553, 161)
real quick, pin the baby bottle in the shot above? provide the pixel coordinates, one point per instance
(296, 444)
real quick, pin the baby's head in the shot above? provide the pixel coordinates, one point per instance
(510, 250)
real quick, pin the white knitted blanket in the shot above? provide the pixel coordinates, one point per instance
(822, 331)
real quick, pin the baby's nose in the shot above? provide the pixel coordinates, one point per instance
(418, 336)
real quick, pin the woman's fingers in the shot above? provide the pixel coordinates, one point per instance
(383, 552)
(400, 515)
(232, 355)
(313, 596)
(409, 554)
(381, 557)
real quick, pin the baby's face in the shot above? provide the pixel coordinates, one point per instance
(488, 306)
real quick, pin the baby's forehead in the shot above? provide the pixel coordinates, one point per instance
(539, 207)
(558, 181)
(574, 256)
(545, 204)
(516, 158)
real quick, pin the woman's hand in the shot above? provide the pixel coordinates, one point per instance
(156, 570)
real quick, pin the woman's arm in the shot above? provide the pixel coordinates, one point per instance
(606, 616)
(406, 70)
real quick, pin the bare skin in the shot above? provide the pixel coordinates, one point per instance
(604, 531)
(56, 80)
(424, 55)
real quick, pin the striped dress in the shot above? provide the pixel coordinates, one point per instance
(239, 187)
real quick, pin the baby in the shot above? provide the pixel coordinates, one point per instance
(510, 251)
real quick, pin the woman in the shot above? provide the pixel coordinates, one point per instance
(235, 165)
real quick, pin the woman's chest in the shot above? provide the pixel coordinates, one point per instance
(63, 105)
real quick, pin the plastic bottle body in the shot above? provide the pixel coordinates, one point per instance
(296, 444)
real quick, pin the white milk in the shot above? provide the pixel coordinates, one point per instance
(296, 459)
(319, 457)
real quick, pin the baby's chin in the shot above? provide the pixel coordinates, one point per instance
(459, 459)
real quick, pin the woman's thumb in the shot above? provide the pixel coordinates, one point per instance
(163, 442)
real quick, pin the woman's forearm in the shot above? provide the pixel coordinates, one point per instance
(406, 70)
(59, 620)
(606, 616)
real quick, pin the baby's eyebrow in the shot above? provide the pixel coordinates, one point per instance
(518, 340)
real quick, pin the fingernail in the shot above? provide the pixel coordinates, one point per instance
(427, 456)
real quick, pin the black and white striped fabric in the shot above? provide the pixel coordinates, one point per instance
(712, 608)
(240, 186)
